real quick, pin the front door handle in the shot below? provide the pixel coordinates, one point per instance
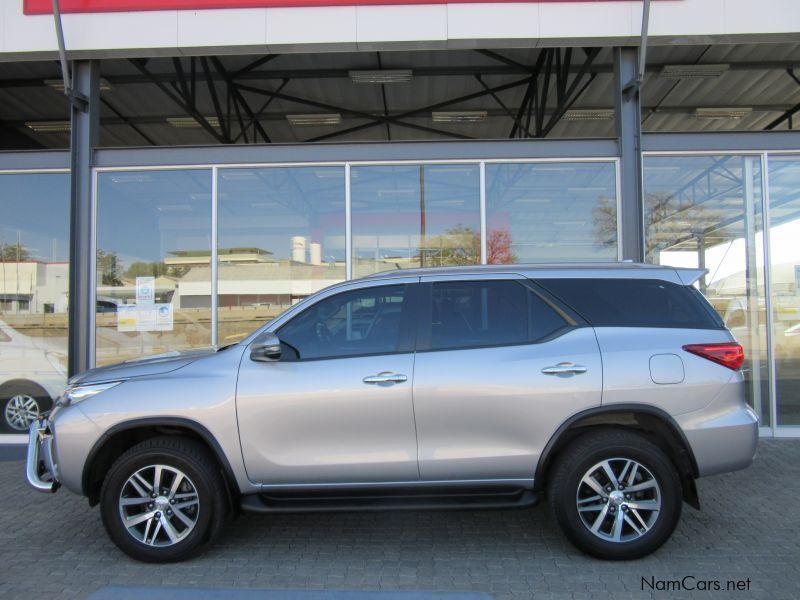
(565, 368)
(385, 377)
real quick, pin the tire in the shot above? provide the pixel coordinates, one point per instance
(174, 525)
(22, 402)
(579, 476)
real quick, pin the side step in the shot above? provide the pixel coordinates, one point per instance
(396, 500)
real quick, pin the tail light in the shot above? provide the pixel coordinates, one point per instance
(727, 354)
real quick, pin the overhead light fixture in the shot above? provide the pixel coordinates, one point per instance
(58, 84)
(382, 76)
(315, 119)
(191, 122)
(48, 126)
(693, 71)
(589, 114)
(733, 112)
(459, 116)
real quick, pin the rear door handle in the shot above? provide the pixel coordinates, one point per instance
(385, 377)
(565, 368)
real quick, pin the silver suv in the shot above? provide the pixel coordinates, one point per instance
(607, 388)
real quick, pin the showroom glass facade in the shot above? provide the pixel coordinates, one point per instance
(34, 293)
(738, 215)
(226, 249)
(188, 256)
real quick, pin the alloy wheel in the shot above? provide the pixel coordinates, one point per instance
(159, 505)
(21, 411)
(618, 500)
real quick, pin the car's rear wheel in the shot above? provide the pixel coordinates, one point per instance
(615, 494)
(163, 499)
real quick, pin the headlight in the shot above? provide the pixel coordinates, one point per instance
(78, 393)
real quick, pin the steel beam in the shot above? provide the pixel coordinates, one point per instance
(343, 73)
(84, 138)
(628, 117)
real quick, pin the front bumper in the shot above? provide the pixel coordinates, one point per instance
(41, 469)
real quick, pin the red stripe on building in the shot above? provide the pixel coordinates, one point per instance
(40, 7)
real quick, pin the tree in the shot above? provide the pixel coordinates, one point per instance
(498, 248)
(143, 269)
(14, 253)
(109, 267)
(461, 245)
(458, 245)
(668, 221)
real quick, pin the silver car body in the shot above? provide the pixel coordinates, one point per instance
(461, 416)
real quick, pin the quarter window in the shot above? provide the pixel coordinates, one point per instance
(471, 314)
(356, 323)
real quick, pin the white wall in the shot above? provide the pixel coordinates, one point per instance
(282, 30)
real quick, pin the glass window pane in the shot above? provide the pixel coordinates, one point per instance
(784, 233)
(153, 262)
(551, 212)
(471, 314)
(361, 322)
(281, 238)
(634, 303)
(414, 216)
(705, 211)
(34, 286)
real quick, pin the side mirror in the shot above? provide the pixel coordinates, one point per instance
(266, 349)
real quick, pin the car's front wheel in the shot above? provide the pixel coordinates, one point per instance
(615, 494)
(163, 499)
(22, 403)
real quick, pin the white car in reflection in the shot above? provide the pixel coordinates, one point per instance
(31, 376)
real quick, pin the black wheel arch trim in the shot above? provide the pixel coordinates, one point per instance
(546, 455)
(178, 422)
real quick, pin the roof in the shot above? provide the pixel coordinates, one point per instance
(135, 109)
(580, 270)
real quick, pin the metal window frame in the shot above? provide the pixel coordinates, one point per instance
(96, 172)
(216, 167)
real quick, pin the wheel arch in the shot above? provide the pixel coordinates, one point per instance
(124, 435)
(21, 382)
(665, 432)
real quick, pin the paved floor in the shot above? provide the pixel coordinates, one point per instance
(749, 528)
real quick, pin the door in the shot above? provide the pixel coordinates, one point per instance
(500, 365)
(337, 406)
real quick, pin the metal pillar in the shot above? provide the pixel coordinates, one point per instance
(628, 116)
(85, 120)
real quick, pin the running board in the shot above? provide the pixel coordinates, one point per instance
(400, 500)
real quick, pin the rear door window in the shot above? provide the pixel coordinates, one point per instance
(473, 314)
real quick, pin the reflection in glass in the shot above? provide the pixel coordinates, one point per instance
(153, 262)
(705, 211)
(551, 212)
(34, 285)
(784, 251)
(281, 238)
(414, 216)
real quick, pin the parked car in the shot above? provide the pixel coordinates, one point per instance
(606, 388)
(31, 375)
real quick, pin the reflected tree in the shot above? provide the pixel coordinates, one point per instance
(668, 223)
(109, 267)
(461, 245)
(144, 269)
(498, 248)
(14, 253)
